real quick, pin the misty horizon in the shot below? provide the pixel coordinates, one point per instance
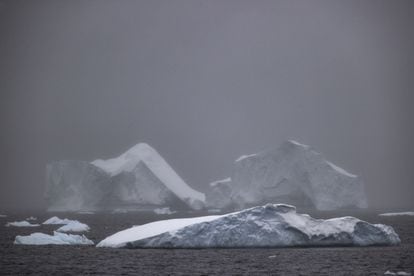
(204, 82)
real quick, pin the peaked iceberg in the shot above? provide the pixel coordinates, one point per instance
(272, 225)
(139, 178)
(293, 173)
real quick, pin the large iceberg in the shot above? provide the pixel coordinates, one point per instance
(294, 174)
(272, 225)
(57, 238)
(140, 178)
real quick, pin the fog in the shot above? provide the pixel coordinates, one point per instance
(204, 82)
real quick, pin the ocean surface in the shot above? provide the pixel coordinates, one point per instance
(89, 260)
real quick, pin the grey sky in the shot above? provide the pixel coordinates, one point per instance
(204, 82)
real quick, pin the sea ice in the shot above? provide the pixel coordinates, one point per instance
(21, 224)
(272, 225)
(57, 238)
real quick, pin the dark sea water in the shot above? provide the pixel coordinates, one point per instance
(89, 260)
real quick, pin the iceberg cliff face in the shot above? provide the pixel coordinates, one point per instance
(272, 225)
(139, 178)
(295, 174)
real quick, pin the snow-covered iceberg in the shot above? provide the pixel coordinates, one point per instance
(397, 214)
(294, 174)
(22, 223)
(57, 238)
(272, 225)
(138, 179)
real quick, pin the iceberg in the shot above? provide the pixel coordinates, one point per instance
(74, 226)
(57, 220)
(68, 225)
(294, 174)
(57, 238)
(138, 179)
(397, 214)
(31, 218)
(21, 224)
(271, 225)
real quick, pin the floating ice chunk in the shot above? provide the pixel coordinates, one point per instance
(401, 273)
(3, 216)
(397, 214)
(57, 220)
(21, 224)
(31, 218)
(57, 238)
(74, 226)
(163, 211)
(272, 225)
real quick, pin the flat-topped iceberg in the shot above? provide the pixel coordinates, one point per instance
(272, 225)
(397, 214)
(139, 179)
(56, 238)
(22, 223)
(293, 173)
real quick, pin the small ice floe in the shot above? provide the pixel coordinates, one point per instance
(22, 223)
(74, 226)
(399, 273)
(3, 216)
(57, 238)
(397, 214)
(163, 211)
(69, 225)
(31, 218)
(272, 256)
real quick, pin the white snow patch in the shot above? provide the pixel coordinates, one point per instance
(57, 238)
(397, 214)
(340, 170)
(74, 226)
(121, 238)
(244, 157)
(152, 159)
(163, 211)
(21, 224)
(225, 180)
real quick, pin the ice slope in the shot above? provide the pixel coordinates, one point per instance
(57, 238)
(159, 167)
(272, 225)
(21, 224)
(295, 174)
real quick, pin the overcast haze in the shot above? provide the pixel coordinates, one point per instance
(204, 82)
